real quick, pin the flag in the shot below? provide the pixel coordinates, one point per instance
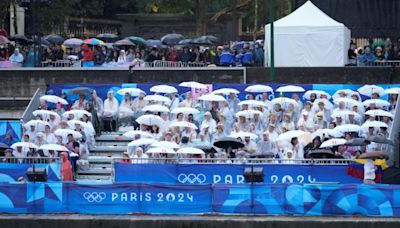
(356, 168)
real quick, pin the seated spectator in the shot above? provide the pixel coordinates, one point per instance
(153, 55)
(368, 57)
(17, 58)
(110, 112)
(186, 55)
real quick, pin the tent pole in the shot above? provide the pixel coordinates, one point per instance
(272, 62)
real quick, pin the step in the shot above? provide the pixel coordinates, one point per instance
(109, 149)
(101, 165)
(111, 143)
(113, 137)
(96, 171)
(90, 178)
(106, 154)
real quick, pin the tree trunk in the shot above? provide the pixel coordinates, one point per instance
(200, 14)
(235, 25)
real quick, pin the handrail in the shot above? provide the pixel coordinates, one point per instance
(29, 160)
(32, 106)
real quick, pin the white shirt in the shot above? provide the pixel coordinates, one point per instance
(110, 107)
(369, 170)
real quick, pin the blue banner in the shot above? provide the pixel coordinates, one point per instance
(10, 172)
(230, 173)
(10, 132)
(271, 199)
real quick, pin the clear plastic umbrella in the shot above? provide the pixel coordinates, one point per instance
(54, 147)
(348, 128)
(165, 144)
(226, 91)
(253, 103)
(185, 110)
(53, 99)
(333, 142)
(76, 113)
(190, 150)
(65, 132)
(368, 90)
(132, 91)
(377, 102)
(150, 120)
(318, 93)
(132, 134)
(193, 84)
(259, 89)
(157, 98)
(160, 150)
(290, 89)
(24, 145)
(379, 112)
(290, 134)
(163, 89)
(155, 108)
(183, 124)
(211, 97)
(248, 114)
(141, 142)
(35, 123)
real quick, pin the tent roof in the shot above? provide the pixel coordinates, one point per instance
(307, 15)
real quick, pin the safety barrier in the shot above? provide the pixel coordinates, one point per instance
(61, 63)
(170, 64)
(388, 63)
(32, 106)
(29, 160)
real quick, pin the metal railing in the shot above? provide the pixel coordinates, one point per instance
(266, 161)
(29, 160)
(385, 63)
(32, 106)
(62, 63)
(170, 64)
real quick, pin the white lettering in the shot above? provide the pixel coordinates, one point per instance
(216, 179)
(228, 179)
(133, 196)
(170, 197)
(147, 196)
(114, 196)
(240, 179)
(124, 197)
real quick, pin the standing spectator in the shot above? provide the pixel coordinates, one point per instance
(56, 53)
(351, 53)
(186, 55)
(138, 61)
(258, 55)
(131, 55)
(17, 58)
(30, 58)
(88, 56)
(226, 58)
(173, 55)
(66, 171)
(100, 56)
(197, 57)
(247, 59)
(153, 55)
(110, 112)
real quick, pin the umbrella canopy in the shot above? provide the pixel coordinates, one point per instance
(185, 42)
(4, 40)
(172, 39)
(150, 120)
(368, 90)
(185, 111)
(157, 98)
(226, 91)
(163, 89)
(347, 101)
(165, 144)
(159, 150)
(211, 97)
(73, 43)
(80, 91)
(141, 142)
(348, 128)
(227, 142)
(380, 139)
(347, 93)
(333, 142)
(243, 135)
(72, 123)
(54, 147)
(357, 142)
(93, 41)
(54, 99)
(3, 146)
(76, 113)
(374, 124)
(35, 123)
(346, 113)
(190, 150)
(321, 153)
(65, 132)
(290, 135)
(326, 102)
(248, 114)
(213, 39)
(139, 41)
(155, 108)
(374, 154)
(156, 44)
(193, 84)
(285, 101)
(290, 89)
(134, 92)
(45, 113)
(183, 124)
(24, 145)
(323, 133)
(392, 91)
(379, 112)
(124, 42)
(253, 103)
(132, 134)
(259, 89)
(318, 93)
(203, 40)
(377, 102)
(55, 39)
(107, 37)
(20, 39)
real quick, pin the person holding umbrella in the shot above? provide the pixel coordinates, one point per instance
(110, 112)
(79, 104)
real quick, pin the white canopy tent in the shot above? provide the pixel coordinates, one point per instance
(308, 38)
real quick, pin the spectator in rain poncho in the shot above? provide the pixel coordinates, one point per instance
(17, 58)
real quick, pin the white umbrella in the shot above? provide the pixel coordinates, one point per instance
(45, 113)
(65, 132)
(190, 150)
(76, 113)
(150, 120)
(327, 103)
(185, 111)
(211, 97)
(392, 91)
(193, 84)
(165, 144)
(347, 101)
(374, 124)
(348, 128)
(243, 134)
(155, 108)
(368, 90)
(134, 92)
(35, 123)
(379, 112)
(345, 113)
(54, 99)
(326, 132)
(248, 114)
(157, 98)
(159, 150)
(290, 89)
(253, 103)
(258, 89)
(132, 134)
(290, 134)
(285, 101)
(333, 142)
(226, 91)
(54, 147)
(377, 102)
(163, 89)
(347, 92)
(141, 142)
(183, 124)
(72, 123)
(73, 42)
(318, 93)
(25, 145)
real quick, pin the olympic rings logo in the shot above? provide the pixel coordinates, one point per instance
(192, 178)
(96, 197)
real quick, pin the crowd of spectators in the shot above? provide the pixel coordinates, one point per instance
(373, 53)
